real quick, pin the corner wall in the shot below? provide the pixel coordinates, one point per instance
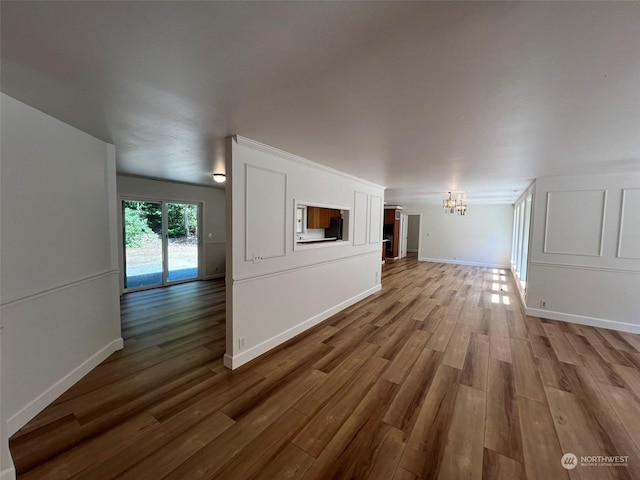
(585, 251)
(60, 309)
(481, 238)
(290, 287)
(213, 214)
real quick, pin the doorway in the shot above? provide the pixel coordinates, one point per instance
(411, 238)
(161, 243)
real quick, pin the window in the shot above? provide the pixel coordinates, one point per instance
(520, 251)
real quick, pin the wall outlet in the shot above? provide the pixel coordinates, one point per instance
(455, 258)
(543, 304)
(241, 343)
(257, 258)
(376, 278)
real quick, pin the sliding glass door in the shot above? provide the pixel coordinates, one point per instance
(161, 243)
(182, 244)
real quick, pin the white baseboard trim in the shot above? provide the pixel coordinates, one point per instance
(20, 418)
(461, 262)
(235, 361)
(8, 473)
(590, 321)
(521, 292)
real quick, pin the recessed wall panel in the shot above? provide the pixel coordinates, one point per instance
(575, 222)
(266, 193)
(360, 218)
(375, 219)
(629, 234)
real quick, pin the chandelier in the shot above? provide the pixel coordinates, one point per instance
(453, 206)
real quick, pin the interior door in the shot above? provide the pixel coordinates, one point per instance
(404, 234)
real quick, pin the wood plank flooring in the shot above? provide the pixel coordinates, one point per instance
(438, 376)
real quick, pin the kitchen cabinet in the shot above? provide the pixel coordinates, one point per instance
(318, 217)
(392, 230)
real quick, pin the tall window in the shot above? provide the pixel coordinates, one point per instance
(520, 242)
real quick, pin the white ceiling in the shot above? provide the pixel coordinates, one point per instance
(479, 98)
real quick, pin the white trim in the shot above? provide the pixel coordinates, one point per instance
(518, 283)
(621, 225)
(32, 296)
(249, 278)
(8, 473)
(582, 267)
(357, 194)
(376, 238)
(250, 255)
(461, 262)
(602, 222)
(20, 418)
(235, 361)
(246, 142)
(582, 320)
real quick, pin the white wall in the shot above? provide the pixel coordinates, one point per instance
(7, 470)
(585, 250)
(60, 308)
(213, 213)
(482, 237)
(292, 286)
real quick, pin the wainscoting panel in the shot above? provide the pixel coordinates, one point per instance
(360, 218)
(375, 219)
(629, 235)
(266, 194)
(575, 222)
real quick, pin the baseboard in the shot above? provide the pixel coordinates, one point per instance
(8, 473)
(521, 291)
(235, 361)
(19, 419)
(582, 320)
(215, 275)
(461, 262)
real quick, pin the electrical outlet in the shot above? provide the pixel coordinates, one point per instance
(257, 258)
(543, 304)
(241, 343)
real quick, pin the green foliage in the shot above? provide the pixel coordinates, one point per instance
(182, 220)
(145, 218)
(136, 227)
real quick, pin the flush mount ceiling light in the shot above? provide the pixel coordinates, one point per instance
(219, 177)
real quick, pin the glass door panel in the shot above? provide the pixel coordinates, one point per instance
(142, 223)
(182, 241)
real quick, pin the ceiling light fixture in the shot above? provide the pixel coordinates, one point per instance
(219, 177)
(461, 208)
(451, 205)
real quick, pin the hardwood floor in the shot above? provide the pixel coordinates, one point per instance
(438, 376)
